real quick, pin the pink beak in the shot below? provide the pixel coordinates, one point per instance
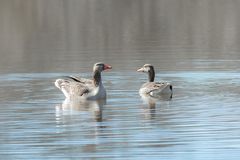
(140, 70)
(106, 67)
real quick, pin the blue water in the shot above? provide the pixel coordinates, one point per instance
(201, 121)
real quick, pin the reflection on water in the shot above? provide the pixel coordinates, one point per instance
(197, 121)
(72, 106)
(151, 101)
(163, 100)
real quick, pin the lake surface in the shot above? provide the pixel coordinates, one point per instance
(201, 121)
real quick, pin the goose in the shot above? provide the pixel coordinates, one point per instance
(151, 88)
(84, 89)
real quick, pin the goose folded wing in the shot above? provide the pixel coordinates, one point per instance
(80, 80)
(78, 89)
(156, 87)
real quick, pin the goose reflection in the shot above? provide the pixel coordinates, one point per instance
(71, 107)
(152, 101)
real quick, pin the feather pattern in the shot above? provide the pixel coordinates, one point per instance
(74, 87)
(152, 88)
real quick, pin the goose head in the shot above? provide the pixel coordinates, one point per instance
(146, 68)
(149, 69)
(101, 67)
(97, 69)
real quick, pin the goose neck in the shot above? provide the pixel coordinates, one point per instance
(151, 74)
(97, 78)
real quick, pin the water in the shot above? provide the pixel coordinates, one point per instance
(201, 121)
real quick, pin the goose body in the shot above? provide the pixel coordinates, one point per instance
(151, 88)
(84, 89)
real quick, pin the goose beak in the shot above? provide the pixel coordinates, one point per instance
(140, 70)
(106, 67)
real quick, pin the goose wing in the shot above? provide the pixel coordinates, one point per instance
(156, 88)
(80, 80)
(72, 88)
(79, 89)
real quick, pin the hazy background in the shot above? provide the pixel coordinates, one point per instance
(39, 35)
